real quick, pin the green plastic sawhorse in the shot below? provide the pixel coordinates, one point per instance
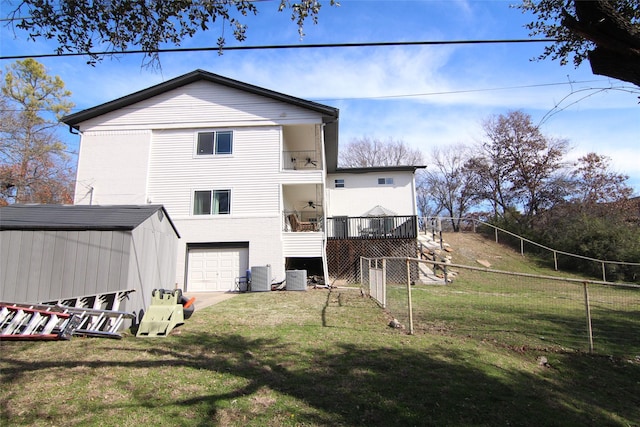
(164, 314)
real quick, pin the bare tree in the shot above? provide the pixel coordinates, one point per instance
(595, 182)
(368, 152)
(519, 170)
(450, 181)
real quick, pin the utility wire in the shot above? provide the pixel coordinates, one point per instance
(285, 46)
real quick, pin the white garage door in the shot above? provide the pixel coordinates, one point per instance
(216, 269)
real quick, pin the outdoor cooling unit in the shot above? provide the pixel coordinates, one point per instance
(296, 280)
(261, 278)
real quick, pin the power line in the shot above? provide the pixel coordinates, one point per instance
(278, 47)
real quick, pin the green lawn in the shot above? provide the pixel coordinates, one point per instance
(315, 358)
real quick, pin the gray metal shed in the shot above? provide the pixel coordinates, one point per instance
(52, 252)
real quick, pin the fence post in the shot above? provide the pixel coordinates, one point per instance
(588, 311)
(496, 230)
(604, 274)
(555, 259)
(384, 283)
(409, 296)
(521, 247)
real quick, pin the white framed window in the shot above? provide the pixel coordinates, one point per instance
(385, 181)
(339, 183)
(214, 143)
(212, 202)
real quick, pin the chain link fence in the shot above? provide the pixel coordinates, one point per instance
(516, 310)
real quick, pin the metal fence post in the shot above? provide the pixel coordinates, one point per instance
(588, 312)
(409, 296)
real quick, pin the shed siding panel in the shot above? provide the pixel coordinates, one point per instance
(35, 267)
(11, 242)
(117, 262)
(175, 173)
(202, 104)
(81, 260)
(60, 243)
(46, 266)
(104, 263)
(69, 254)
(24, 266)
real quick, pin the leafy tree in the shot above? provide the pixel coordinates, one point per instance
(368, 152)
(116, 25)
(606, 32)
(33, 161)
(596, 183)
(451, 182)
(518, 169)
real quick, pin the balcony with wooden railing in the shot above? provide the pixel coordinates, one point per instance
(382, 227)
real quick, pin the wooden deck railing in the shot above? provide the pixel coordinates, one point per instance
(382, 227)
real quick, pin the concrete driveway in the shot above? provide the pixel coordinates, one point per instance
(205, 299)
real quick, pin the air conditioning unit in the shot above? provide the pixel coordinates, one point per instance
(296, 280)
(261, 278)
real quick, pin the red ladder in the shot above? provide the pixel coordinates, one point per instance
(21, 323)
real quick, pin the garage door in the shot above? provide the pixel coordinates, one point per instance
(216, 269)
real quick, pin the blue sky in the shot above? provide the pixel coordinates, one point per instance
(426, 96)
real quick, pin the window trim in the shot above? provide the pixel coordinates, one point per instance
(211, 196)
(215, 132)
(385, 181)
(338, 183)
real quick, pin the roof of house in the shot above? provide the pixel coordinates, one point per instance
(78, 217)
(329, 114)
(379, 169)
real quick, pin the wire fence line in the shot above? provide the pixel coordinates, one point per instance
(437, 225)
(516, 310)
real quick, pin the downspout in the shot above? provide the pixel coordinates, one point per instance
(325, 265)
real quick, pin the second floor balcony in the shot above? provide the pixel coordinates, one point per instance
(301, 160)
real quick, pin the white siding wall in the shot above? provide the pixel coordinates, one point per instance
(202, 104)
(362, 192)
(303, 245)
(251, 172)
(112, 168)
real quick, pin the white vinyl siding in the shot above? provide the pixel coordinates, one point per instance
(252, 173)
(302, 244)
(364, 192)
(203, 104)
(124, 180)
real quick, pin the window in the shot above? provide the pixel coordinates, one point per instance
(212, 202)
(339, 183)
(210, 143)
(385, 181)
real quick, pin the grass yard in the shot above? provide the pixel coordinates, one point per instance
(315, 358)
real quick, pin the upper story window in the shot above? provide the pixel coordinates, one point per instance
(385, 181)
(210, 143)
(212, 202)
(339, 183)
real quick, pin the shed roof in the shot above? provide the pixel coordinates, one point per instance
(78, 217)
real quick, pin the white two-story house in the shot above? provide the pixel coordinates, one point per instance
(249, 176)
